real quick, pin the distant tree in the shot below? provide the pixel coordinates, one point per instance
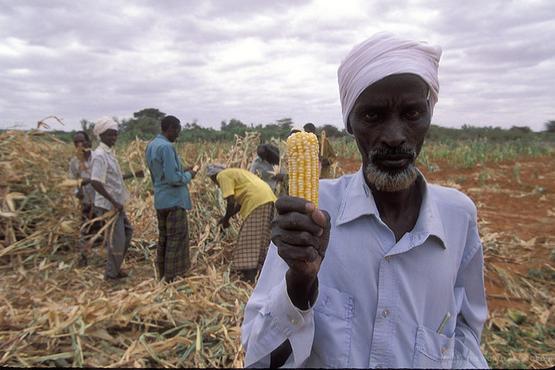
(522, 129)
(194, 132)
(86, 124)
(145, 124)
(285, 123)
(88, 127)
(550, 126)
(280, 129)
(149, 112)
(234, 125)
(331, 131)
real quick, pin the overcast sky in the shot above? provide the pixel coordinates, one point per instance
(259, 61)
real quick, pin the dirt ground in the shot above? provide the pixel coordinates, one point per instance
(516, 215)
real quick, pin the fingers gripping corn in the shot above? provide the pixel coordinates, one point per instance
(304, 168)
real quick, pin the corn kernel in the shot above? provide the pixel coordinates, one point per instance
(304, 168)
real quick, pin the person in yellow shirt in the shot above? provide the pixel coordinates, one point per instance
(253, 199)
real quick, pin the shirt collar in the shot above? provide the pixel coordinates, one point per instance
(359, 201)
(429, 219)
(162, 137)
(106, 148)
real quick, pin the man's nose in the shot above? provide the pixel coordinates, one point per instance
(394, 133)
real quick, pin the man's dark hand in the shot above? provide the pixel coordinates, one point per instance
(301, 233)
(193, 170)
(224, 222)
(79, 194)
(117, 206)
(85, 182)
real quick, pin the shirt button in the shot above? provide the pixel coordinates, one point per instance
(443, 350)
(385, 313)
(387, 258)
(294, 321)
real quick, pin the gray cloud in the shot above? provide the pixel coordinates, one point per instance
(260, 61)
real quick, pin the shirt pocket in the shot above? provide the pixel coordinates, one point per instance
(333, 319)
(433, 350)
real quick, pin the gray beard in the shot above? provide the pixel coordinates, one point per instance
(390, 182)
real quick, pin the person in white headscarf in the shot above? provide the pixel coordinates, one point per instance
(388, 271)
(384, 55)
(104, 124)
(111, 195)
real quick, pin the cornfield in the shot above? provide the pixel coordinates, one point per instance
(56, 314)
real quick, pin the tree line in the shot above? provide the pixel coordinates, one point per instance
(145, 125)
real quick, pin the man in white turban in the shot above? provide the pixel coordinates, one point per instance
(104, 124)
(388, 272)
(111, 195)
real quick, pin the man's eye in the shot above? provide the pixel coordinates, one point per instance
(413, 115)
(371, 116)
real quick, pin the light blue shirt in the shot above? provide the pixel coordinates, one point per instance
(169, 179)
(380, 302)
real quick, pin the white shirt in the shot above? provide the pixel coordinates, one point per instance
(380, 302)
(82, 170)
(105, 169)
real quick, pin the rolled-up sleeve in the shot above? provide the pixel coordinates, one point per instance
(271, 318)
(171, 170)
(473, 311)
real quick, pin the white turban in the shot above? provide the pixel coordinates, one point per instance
(103, 124)
(382, 55)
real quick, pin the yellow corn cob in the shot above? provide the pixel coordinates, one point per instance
(304, 168)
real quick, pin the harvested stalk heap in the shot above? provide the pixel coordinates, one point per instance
(55, 314)
(304, 169)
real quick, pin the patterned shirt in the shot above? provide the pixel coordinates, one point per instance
(82, 170)
(416, 302)
(105, 169)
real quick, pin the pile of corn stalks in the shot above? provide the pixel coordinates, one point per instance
(522, 336)
(55, 314)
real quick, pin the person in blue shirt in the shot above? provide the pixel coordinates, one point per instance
(388, 271)
(171, 200)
